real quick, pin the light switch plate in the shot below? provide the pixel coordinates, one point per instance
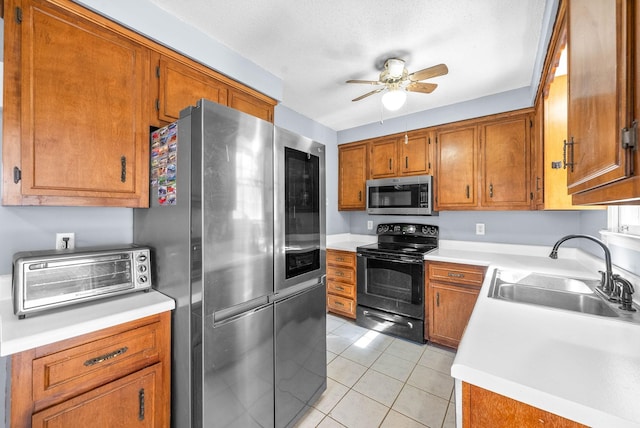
(479, 228)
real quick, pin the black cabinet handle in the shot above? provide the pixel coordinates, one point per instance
(141, 405)
(565, 146)
(468, 195)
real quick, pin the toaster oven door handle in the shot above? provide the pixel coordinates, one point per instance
(105, 357)
(74, 261)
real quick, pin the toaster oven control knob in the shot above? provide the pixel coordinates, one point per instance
(141, 258)
(142, 279)
(142, 268)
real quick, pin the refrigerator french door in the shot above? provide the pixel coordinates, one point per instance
(299, 246)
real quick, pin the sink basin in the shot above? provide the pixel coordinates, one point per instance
(551, 282)
(578, 302)
(550, 291)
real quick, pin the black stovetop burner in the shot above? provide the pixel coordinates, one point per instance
(403, 238)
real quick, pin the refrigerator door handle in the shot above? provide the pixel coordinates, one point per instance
(297, 289)
(238, 311)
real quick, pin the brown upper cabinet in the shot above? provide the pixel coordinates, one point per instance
(457, 152)
(352, 176)
(601, 113)
(80, 95)
(485, 164)
(181, 83)
(408, 154)
(75, 128)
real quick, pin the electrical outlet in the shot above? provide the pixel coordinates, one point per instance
(369, 225)
(65, 241)
(479, 228)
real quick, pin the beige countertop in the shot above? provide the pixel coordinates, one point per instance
(17, 335)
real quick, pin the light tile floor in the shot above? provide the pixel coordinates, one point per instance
(375, 380)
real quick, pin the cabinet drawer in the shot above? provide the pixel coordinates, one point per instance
(342, 289)
(457, 273)
(345, 275)
(341, 305)
(341, 258)
(81, 368)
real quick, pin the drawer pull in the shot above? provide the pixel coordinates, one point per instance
(455, 275)
(339, 303)
(141, 405)
(105, 357)
(339, 274)
(339, 259)
(337, 287)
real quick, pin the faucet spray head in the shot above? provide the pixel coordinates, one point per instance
(554, 254)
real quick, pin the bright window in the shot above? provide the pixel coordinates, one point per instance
(624, 219)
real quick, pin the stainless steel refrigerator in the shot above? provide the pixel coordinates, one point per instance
(237, 228)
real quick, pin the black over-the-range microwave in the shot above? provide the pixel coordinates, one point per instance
(401, 196)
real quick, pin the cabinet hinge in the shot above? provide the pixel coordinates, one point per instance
(630, 136)
(158, 71)
(18, 15)
(17, 175)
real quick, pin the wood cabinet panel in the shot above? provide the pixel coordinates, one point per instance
(352, 176)
(506, 168)
(384, 158)
(600, 97)
(249, 104)
(457, 156)
(132, 401)
(452, 291)
(79, 137)
(482, 408)
(181, 86)
(90, 373)
(414, 154)
(341, 282)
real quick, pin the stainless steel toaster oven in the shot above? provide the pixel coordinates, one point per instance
(49, 279)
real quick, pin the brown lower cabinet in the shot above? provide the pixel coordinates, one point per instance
(119, 376)
(452, 291)
(341, 283)
(482, 408)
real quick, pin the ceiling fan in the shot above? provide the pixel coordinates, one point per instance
(397, 81)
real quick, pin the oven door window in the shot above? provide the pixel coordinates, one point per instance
(398, 196)
(392, 286)
(302, 211)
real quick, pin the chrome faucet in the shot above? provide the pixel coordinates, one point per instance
(607, 285)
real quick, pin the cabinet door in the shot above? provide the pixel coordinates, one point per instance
(75, 111)
(450, 307)
(599, 98)
(506, 166)
(181, 86)
(352, 176)
(457, 156)
(384, 155)
(484, 408)
(128, 402)
(413, 155)
(250, 105)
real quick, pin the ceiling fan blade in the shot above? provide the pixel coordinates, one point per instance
(436, 70)
(423, 87)
(366, 82)
(368, 94)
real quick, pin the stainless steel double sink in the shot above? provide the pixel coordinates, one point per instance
(572, 294)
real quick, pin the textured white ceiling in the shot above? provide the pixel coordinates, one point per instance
(490, 46)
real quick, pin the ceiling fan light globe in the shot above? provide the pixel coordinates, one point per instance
(394, 99)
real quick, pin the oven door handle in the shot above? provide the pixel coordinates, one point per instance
(381, 318)
(390, 259)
